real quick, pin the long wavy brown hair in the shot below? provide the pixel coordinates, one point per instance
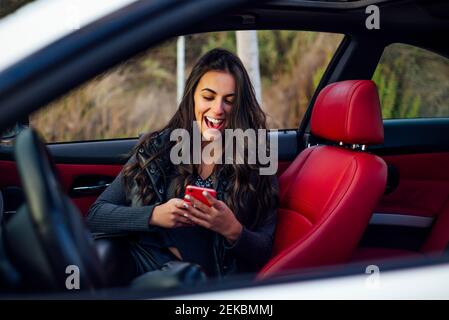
(245, 182)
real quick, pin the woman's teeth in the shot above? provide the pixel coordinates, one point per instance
(213, 123)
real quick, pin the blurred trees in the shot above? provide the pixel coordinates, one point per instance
(412, 82)
(140, 94)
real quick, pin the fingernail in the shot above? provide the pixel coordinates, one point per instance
(186, 215)
(187, 197)
(205, 193)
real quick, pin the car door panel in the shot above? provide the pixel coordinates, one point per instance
(423, 187)
(419, 150)
(67, 174)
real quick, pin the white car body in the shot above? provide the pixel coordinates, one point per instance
(42, 22)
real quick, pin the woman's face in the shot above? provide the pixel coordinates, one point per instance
(213, 98)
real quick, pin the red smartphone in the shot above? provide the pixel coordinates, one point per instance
(197, 193)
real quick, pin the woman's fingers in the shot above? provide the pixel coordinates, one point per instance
(212, 201)
(183, 219)
(194, 212)
(183, 216)
(197, 204)
(179, 203)
(200, 222)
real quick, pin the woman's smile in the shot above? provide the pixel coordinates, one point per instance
(214, 123)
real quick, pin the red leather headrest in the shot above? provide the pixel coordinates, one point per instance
(349, 111)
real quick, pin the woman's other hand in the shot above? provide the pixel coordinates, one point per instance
(171, 214)
(218, 217)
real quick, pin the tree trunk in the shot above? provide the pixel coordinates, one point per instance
(180, 67)
(248, 51)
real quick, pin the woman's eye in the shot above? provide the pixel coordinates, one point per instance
(229, 102)
(209, 98)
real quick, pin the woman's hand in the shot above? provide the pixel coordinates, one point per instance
(218, 217)
(171, 214)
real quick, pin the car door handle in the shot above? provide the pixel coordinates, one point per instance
(90, 189)
(89, 185)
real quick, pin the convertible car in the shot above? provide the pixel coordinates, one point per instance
(364, 202)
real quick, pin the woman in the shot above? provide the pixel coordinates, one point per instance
(146, 200)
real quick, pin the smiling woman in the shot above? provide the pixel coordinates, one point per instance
(234, 233)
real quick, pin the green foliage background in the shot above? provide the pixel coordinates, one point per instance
(412, 83)
(140, 94)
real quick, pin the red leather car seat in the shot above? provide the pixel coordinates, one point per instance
(327, 195)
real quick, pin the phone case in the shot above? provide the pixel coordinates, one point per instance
(197, 193)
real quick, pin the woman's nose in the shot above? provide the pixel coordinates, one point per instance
(218, 107)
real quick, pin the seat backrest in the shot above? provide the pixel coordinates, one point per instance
(327, 195)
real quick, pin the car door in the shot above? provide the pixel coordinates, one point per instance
(413, 85)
